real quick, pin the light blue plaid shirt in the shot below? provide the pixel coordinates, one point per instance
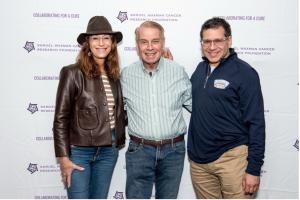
(154, 101)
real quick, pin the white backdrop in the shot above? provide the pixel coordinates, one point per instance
(38, 37)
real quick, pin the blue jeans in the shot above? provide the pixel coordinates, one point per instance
(162, 165)
(94, 181)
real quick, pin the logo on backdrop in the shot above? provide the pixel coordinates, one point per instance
(56, 15)
(244, 18)
(32, 108)
(51, 47)
(119, 195)
(254, 51)
(43, 168)
(43, 138)
(29, 46)
(296, 145)
(122, 16)
(32, 168)
(165, 17)
(45, 77)
(46, 196)
(262, 172)
(266, 110)
(42, 108)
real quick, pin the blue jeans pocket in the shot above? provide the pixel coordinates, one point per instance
(133, 147)
(179, 147)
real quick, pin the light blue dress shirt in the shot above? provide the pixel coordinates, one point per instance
(154, 100)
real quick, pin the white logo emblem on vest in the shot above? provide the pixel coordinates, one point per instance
(220, 83)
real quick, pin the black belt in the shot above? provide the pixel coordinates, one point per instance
(157, 142)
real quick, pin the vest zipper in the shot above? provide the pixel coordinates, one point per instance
(207, 75)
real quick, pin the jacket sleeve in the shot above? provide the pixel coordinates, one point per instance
(122, 104)
(187, 96)
(122, 118)
(252, 110)
(63, 110)
(122, 83)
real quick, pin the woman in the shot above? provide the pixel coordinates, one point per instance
(89, 122)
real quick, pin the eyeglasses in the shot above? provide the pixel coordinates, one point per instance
(217, 42)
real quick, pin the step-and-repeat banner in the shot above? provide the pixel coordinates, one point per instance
(38, 38)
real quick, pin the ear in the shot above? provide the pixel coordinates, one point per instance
(137, 49)
(229, 41)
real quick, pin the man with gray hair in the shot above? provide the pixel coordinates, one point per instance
(155, 90)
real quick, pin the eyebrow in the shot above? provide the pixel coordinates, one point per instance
(149, 40)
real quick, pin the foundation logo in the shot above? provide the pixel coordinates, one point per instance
(32, 168)
(50, 196)
(262, 172)
(32, 108)
(29, 46)
(122, 16)
(255, 51)
(296, 145)
(118, 195)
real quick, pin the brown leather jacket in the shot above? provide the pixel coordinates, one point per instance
(81, 112)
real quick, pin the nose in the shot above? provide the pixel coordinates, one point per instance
(149, 46)
(100, 40)
(212, 45)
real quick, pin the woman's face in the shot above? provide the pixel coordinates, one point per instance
(100, 46)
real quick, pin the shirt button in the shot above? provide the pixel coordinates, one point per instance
(104, 104)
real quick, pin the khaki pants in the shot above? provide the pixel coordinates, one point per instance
(221, 178)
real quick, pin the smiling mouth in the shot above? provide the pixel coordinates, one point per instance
(214, 54)
(150, 54)
(100, 50)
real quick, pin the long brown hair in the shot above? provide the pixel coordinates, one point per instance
(89, 67)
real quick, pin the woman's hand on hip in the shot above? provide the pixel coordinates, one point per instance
(67, 167)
